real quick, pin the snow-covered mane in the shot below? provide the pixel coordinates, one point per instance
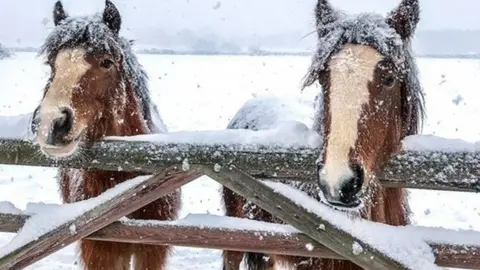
(93, 34)
(365, 28)
(336, 29)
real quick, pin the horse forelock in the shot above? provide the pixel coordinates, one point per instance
(372, 30)
(93, 35)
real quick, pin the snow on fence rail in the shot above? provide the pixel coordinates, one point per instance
(426, 162)
(234, 159)
(220, 232)
(55, 227)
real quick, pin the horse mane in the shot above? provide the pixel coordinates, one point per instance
(91, 33)
(371, 29)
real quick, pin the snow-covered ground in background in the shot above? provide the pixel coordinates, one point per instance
(204, 92)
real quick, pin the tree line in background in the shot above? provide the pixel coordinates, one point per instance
(4, 52)
(427, 43)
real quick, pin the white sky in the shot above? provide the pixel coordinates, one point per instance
(22, 20)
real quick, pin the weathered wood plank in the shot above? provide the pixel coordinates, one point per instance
(138, 156)
(92, 220)
(297, 216)
(464, 257)
(249, 240)
(454, 171)
(261, 241)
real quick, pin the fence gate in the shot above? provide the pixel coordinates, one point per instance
(313, 230)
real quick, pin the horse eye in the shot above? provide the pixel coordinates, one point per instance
(388, 81)
(106, 63)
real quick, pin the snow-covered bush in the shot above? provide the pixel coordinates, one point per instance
(4, 52)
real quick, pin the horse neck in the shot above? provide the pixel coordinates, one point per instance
(389, 205)
(128, 121)
(125, 122)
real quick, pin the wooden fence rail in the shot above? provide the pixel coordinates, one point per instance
(192, 233)
(236, 167)
(453, 171)
(69, 231)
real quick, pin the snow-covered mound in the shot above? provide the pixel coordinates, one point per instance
(431, 143)
(265, 112)
(264, 120)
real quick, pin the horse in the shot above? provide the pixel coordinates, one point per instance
(97, 88)
(370, 99)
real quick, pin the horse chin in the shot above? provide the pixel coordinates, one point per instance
(62, 152)
(350, 210)
(354, 210)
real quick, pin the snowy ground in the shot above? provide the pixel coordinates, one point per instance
(204, 92)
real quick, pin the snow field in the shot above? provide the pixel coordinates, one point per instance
(205, 92)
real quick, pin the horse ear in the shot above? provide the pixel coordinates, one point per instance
(405, 17)
(324, 13)
(111, 17)
(59, 13)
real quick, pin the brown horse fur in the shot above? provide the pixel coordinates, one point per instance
(97, 89)
(372, 72)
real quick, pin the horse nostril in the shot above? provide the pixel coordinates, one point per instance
(61, 127)
(351, 187)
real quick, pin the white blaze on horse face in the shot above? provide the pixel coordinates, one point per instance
(70, 66)
(351, 69)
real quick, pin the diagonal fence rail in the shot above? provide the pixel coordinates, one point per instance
(110, 207)
(431, 170)
(294, 214)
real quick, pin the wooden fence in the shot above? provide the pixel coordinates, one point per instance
(237, 167)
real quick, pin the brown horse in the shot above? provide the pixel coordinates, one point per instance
(370, 101)
(97, 88)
